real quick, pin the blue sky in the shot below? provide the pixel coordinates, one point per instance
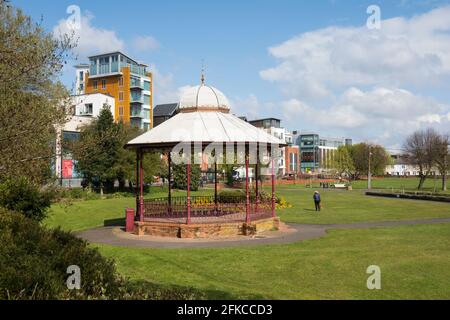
(289, 81)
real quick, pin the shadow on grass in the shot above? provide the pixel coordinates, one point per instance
(148, 290)
(118, 222)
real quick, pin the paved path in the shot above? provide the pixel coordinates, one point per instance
(291, 233)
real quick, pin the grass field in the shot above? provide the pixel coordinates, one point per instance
(409, 184)
(338, 207)
(414, 262)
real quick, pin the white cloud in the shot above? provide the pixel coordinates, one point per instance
(164, 88)
(404, 52)
(380, 114)
(145, 43)
(351, 81)
(90, 39)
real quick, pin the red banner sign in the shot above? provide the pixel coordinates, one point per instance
(67, 169)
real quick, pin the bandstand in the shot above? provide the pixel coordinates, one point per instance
(204, 124)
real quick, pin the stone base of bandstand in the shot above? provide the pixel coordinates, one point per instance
(206, 230)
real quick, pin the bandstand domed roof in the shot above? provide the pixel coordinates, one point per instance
(203, 116)
(203, 97)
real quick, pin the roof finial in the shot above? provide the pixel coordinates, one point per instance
(202, 79)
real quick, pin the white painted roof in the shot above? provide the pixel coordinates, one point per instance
(206, 127)
(203, 96)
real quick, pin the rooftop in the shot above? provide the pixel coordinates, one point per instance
(262, 119)
(167, 109)
(117, 52)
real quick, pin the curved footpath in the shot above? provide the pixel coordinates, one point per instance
(290, 233)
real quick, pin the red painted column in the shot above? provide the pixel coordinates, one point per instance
(141, 193)
(247, 196)
(136, 189)
(169, 160)
(215, 185)
(257, 189)
(273, 189)
(188, 174)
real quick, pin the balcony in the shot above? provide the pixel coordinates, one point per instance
(136, 112)
(136, 84)
(139, 70)
(136, 98)
(104, 70)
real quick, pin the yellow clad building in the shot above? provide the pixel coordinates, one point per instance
(123, 78)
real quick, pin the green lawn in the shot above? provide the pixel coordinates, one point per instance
(414, 262)
(338, 207)
(401, 183)
(409, 184)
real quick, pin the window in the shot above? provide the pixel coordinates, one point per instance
(121, 81)
(95, 84)
(103, 84)
(147, 85)
(81, 87)
(146, 99)
(121, 96)
(87, 109)
(120, 111)
(81, 76)
(114, 63)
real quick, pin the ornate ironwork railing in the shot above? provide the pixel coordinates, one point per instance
(206, 209)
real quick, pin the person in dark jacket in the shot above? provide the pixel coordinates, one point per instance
(316, 198)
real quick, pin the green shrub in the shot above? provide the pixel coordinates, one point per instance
(35, 260)
(34, 263)
(22, 196)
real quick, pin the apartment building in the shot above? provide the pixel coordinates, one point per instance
(316, 151)
(124, 79)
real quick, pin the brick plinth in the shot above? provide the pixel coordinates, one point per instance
(210, 230)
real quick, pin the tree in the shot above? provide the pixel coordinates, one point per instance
(442, 158)
(359, 153)
(101, 158)
(32, 101)
(420, 146)
(97, 150)
(125, 167)
(180, 177)
(342, 161)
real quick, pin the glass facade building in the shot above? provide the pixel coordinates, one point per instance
(316, 152)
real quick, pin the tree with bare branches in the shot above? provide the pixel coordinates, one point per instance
(421, 149)
(442, 158)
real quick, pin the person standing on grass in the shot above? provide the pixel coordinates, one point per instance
(316, 198)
